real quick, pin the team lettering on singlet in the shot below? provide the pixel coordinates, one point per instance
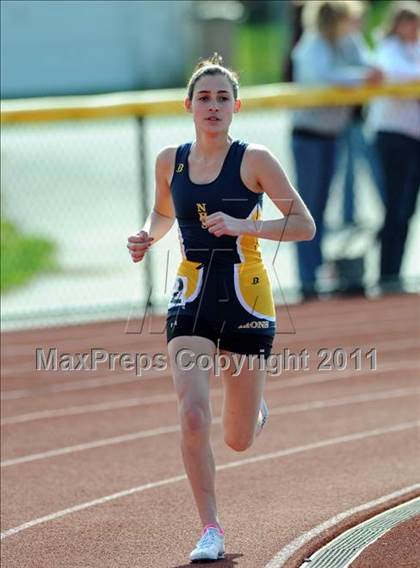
(202, 214)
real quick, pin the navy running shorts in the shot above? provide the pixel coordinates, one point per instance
(230, 305)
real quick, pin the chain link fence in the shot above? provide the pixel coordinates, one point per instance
(85, 185)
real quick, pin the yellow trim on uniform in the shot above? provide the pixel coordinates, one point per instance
(193, 275)
(253, 289)
(248, 246)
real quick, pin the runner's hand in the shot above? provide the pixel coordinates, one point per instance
(220, 223)
(138, 245)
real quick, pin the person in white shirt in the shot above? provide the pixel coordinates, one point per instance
(396, 123)
(321, 58)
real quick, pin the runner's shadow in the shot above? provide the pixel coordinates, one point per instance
(227, 562)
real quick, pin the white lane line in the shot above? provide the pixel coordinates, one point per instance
(83, 384)
(346, 547)
(308, 378)
(238, 463)
(99, 382)
(85, 343)
(88, 408)
(342, 401)
(287, 409)
(288, 551)
(94, 444)
(19, 370)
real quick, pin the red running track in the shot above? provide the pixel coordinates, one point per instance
(92, 474)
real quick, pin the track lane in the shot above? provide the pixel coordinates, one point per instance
(298, 321)
(393, 394)
(307, 312)
(158, 380)
(137, 461)
(147, 527)
(141, 530)
(46, 434)
(314, 363)
(145, 344)
(97, 380)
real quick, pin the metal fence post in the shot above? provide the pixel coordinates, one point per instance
(144, 208)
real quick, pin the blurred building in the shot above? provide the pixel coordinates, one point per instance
(60, 47)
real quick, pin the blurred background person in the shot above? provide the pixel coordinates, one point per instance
(397, 126)
(354, 144)
(319, 58)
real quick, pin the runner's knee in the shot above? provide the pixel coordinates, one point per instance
(239, 442)
(194, 417)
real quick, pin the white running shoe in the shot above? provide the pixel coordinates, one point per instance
(211, 546)
(262, 418)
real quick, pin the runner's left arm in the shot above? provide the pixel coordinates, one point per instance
(296, 223)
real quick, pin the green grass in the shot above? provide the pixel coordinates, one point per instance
(375, 17)
(258, 53)
(22, 256)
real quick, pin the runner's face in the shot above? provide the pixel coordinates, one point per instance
(213, 103)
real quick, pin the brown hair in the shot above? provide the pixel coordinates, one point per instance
(213, 66)
(326, 16)
(401, 11)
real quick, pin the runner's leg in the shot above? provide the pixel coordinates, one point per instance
(192, 388)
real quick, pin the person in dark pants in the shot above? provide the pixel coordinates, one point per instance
(320, 57)
(315, 157)
(400, 156)
(357, 147)
(397, 126)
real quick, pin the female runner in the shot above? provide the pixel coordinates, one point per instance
(222, 300)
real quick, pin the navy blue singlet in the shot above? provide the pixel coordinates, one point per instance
(222, 289)
(226, 193)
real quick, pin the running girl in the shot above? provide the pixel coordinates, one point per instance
(222, 298)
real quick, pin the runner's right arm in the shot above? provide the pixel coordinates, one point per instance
(162, 217)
